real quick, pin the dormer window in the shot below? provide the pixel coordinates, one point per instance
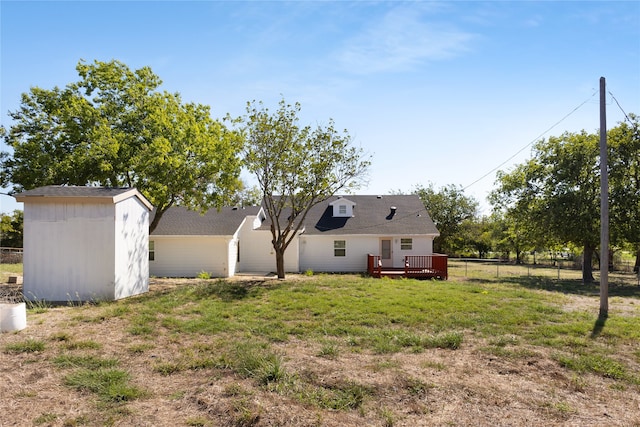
(342, 207)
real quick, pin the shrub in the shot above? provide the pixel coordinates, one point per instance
(204, 275)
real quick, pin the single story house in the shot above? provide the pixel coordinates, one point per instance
(186, 243)
(338, 235)
(85, 243)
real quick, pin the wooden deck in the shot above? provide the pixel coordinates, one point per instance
(415, 266)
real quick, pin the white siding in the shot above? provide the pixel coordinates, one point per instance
(131, 248)
(69, 251)
(233, 257)
(187, 256)
(420, 246)
(317, 252)
(256, 251)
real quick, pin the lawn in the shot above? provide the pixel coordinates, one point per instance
(331, 350)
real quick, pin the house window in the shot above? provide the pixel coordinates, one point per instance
(152, 251)
(406, 244)
(339, 248)
(342, 209)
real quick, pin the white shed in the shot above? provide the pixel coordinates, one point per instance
(85, 243)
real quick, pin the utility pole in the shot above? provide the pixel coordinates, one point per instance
(604, 206)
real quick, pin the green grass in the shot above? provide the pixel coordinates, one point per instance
(599, 365)
(87, 362)
(354, 314)
(235, 329)
(46, 418)
(7, 270)
(351, 313)
(82, 345)
(111, 385)
(27, 346)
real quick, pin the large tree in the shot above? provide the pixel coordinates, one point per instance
(11, 226)
(296, 167)
(624, 182)
(558, 192)
(449, 208)
(114, 128)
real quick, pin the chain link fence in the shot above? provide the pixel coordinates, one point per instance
(559, 270)
(11, 255)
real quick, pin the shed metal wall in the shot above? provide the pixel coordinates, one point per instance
(131, 248)
(69, 251)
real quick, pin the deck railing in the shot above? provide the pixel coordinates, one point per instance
(423, 266)
(435, 265)
(374, 265)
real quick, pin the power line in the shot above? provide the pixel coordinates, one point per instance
(626, 116)
(532, 141)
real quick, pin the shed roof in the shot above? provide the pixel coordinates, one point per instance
(179, 221)
(78, 193)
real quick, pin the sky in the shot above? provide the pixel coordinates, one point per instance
(438, 93)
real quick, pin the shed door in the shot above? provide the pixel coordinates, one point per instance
(386, 252)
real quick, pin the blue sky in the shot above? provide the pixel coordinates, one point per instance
(436, 92)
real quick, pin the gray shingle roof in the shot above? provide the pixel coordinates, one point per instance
(179, 221)
(113, 194)
(73, 191)
(371, 215)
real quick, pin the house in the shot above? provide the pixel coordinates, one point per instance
(85, 243)
(338, 235)
(186, 243)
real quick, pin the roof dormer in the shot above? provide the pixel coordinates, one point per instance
(342, 207)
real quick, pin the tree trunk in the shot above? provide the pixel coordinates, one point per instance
(280, 263)
(636, 267)
(587, 264)
(156, 215)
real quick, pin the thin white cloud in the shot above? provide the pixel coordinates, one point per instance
(399, 41)
(533, 22)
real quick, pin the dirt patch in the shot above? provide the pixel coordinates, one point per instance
(435, 387)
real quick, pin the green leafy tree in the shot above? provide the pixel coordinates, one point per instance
(480, 236)
(512, 231)
(114, 128)
(247, 196)
(11, 229)
(558, 192)
(624, 184)
(448, 208)
(296, 167)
